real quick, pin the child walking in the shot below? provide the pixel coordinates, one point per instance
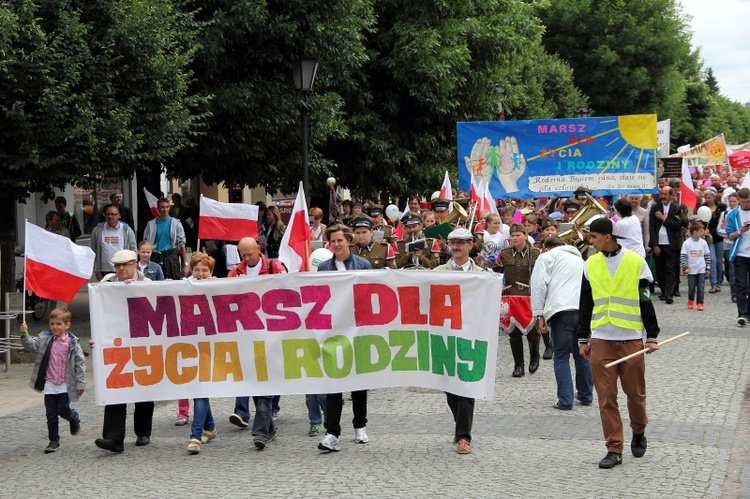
(59, 372)
(695, 261)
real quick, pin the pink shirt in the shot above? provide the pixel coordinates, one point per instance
(58, 359)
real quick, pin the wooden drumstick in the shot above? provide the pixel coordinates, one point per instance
(627, 357)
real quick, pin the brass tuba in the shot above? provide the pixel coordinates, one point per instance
(578, 234)
(457, 214)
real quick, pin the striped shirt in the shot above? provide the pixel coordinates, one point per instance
(57, 359)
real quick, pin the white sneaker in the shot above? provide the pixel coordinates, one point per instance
(329, 443)
(742, 321)
(360, 435)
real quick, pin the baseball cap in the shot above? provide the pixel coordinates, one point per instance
(604, 226)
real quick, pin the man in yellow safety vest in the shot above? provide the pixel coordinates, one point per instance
(615, 310)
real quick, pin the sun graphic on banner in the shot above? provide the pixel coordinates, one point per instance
(638, 132)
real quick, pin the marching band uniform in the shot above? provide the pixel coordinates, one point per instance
(518, 266)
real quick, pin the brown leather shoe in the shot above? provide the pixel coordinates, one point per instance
(464, 447)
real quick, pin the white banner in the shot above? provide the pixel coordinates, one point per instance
(663, 129)
(296, 333)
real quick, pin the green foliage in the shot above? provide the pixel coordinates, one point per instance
(712, 82)
(622, 52)
(244, 64)
(430, 64)
(90, 89)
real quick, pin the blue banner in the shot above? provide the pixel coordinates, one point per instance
(539, 158)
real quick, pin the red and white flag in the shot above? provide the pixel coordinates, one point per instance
(227, 221)
(687, 191)
(152, 202)
(476, 197)
(446, 191)
(489, 200)
(56, 267)
(294, 250)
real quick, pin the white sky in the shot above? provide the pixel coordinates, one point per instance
(720, 28)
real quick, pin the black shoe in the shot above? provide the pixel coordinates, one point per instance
(547, 355)
(141, 441)
(518, 371)
(52, 447)
(611, 460)
(669, 301)
(562, 408)
(677, 294)
(108, 444)
(75, 427)
(533, 365)
(639, 444)
(662, 298)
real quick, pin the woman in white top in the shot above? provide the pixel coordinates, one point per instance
(629, 228)
(317, 229)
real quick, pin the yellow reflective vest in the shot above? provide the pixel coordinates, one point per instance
(616, 298)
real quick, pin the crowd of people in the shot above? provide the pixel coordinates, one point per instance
(593, 305)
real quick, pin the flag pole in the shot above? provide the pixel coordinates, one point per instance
(23, 296)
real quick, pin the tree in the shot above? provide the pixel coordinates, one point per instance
(88, 89)
(244, 63)
(712, 82)
(623, 53)
(429, 65)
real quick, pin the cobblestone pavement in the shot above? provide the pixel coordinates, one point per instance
(699, 439)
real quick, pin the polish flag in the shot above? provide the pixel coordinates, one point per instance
(446, 191)
(152, 202)
(489, 200)
(56, 267)
(227, 221)
(687, 191)
(476, 197)
(295, 245)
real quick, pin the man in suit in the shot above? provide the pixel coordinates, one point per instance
(666, 220)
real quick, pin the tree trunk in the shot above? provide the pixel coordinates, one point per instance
(8, 232)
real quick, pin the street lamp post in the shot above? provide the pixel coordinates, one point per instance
(304, 70)
(582, 112)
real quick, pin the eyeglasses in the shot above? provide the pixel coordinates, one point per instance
(124, 264)
(111, 214)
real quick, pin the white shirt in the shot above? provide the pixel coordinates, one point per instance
(663, 236)
(629, 230)
(113, 240)
(744, 249)
(696, 251)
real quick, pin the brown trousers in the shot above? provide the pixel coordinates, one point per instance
(632, 375)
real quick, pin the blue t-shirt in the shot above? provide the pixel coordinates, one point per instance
(163, 240)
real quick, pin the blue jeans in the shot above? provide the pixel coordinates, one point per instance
(564, 343)
(58, 405)
(717, 264)
(202, 418)
(741, 276)
(730, 274)
(242, 407)
(315, 404)
(696, 282)
(263, 424)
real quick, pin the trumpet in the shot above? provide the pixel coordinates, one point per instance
(577, 235)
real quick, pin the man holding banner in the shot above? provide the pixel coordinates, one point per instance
(460, 242)
(254, 264)
(339, 237)
(113, 429)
